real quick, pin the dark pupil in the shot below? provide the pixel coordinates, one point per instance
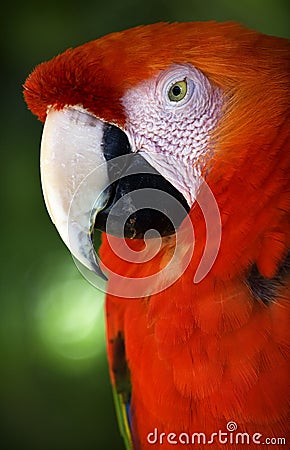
(176, 91)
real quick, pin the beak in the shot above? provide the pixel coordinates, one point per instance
(74, 178)
(91, 178)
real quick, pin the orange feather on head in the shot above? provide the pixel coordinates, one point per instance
(201, 355)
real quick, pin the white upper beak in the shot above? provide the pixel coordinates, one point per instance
(74, 178)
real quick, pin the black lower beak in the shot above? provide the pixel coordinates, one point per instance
(140, 198)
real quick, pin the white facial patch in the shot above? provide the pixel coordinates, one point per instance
(174, 136)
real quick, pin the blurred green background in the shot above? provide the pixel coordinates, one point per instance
(54, 387)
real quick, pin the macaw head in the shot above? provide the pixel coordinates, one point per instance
(137, 121)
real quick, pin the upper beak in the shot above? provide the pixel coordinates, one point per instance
(74, 178)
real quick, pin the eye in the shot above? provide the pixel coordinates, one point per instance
(177, 91)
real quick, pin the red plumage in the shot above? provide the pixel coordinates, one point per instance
(202, 355)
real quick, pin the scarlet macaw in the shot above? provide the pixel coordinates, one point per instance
(198, 112)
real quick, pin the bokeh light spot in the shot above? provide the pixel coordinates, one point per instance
(69, 317)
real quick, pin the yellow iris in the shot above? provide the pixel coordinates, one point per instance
(177, 91)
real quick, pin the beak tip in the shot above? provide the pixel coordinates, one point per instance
(99, 272)
(89, 268)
